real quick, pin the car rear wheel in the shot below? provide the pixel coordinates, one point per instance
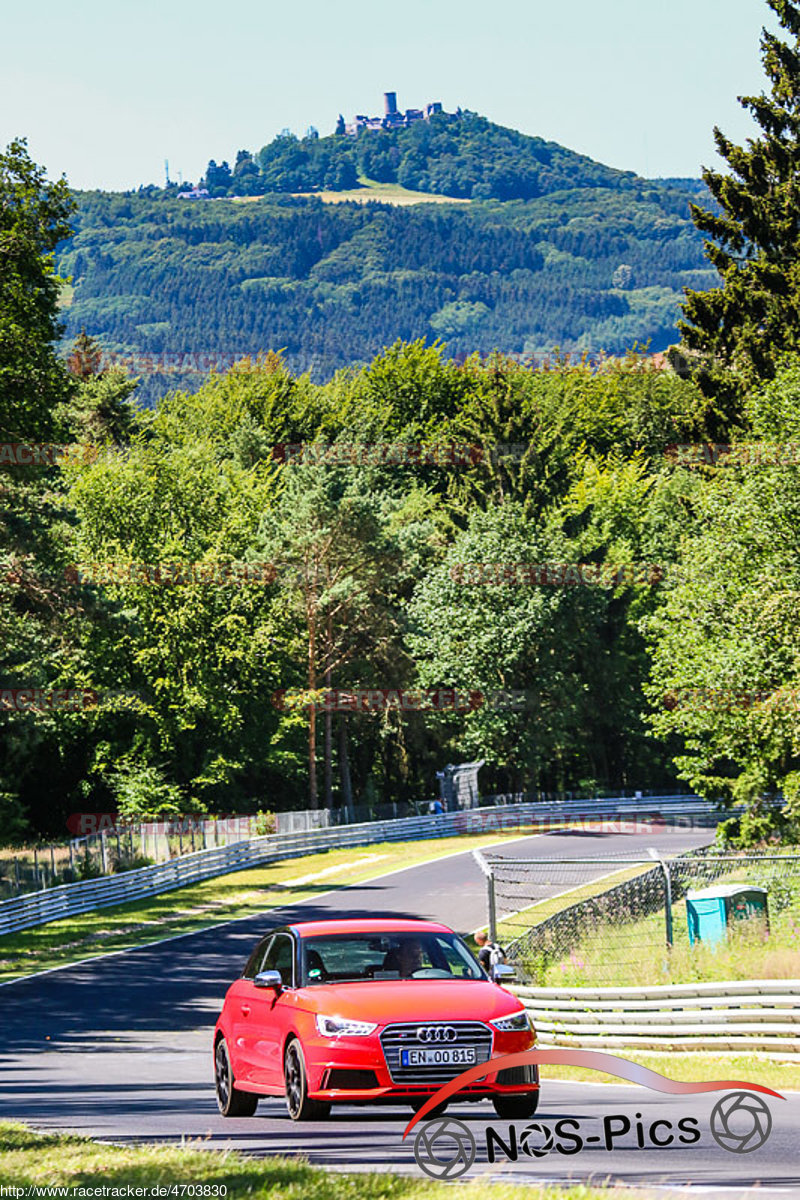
(300, 1107)
(516, 1108)
(230, 1101)
(434, 1112)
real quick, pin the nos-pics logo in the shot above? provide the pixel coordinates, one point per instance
(445, 1148)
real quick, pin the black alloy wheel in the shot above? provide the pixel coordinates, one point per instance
(230, 1101)
(300, 1107)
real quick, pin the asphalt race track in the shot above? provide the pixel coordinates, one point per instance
(119, 1048)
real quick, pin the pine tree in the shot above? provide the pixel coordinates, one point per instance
(739, 330)
(85, 358)
(34, 218)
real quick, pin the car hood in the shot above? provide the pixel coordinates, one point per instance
(412, 1000)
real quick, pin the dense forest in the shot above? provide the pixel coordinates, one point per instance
(127, 575)
(207, 591)
(611, 548)
(595, 268)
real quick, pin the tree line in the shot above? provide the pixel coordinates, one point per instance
(614, 543)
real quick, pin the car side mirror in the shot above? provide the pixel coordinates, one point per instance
(269, 979)
(503, 971)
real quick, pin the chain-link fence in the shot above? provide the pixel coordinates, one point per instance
(122, 848)
(618, 921)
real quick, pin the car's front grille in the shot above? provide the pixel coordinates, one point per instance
(396, 1038)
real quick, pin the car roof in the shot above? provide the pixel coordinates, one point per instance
(367, 925)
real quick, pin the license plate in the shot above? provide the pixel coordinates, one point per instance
(461, 1056)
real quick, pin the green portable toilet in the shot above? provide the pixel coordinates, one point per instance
(711, 911)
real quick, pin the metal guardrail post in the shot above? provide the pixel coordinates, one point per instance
(491, 901)
(492, 907)
(668, 930)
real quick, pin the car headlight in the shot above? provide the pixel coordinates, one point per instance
(342, 1027)
(518, 1022)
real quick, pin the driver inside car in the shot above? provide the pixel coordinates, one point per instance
(405, 958)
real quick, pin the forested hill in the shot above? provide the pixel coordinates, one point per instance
(585, 269)
(463, 156)
(545, 248)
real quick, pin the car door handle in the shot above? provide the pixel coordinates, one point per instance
(245, 1010)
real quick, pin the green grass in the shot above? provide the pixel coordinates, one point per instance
(387, 193)
(30, 1159)
(635, 954)
(692, 1068)
(369, 189)
(515, 926)
(631, 953)
(202, 905)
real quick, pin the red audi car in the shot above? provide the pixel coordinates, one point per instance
(365, 1011)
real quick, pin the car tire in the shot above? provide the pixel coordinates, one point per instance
(298, 1104)
(434, 1112)
(516, 1108)
(230, 1101)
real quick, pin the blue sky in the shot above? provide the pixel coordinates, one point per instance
(105, 91)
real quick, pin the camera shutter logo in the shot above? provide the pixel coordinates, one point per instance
(536, 1140)
(436, 1033)
(740, 1122)
(445, 1148)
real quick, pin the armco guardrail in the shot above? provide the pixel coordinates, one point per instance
(759, 1016)
(70, 899)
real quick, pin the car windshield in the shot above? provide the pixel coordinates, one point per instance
(353, 958)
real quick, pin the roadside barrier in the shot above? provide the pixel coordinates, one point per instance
(757, 1016)
(623, 815)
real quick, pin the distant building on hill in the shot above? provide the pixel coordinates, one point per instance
(392, 117)
(196, 193)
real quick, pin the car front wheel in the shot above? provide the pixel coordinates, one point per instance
(300, 1107)
(516, 1108)
(230, 1101)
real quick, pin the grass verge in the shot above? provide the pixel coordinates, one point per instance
(29, 1159)
(635, 954)
(214, 901)
(622, 950)
(514, 926)
(692, 1068)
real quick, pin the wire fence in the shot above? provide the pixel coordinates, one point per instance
(119, 846)
(29, 869)
(607, 921)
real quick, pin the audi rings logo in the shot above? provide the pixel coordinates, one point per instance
(444, 1148)
(740, 1122)
(436, 1033)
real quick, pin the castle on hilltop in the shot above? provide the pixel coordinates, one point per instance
(392, 117)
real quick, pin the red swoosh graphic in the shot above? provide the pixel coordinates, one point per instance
(595, 1060)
